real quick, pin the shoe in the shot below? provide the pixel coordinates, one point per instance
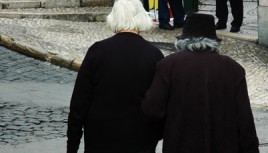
(177, 25)
(166, 26)
(219, 26)
(234, 29)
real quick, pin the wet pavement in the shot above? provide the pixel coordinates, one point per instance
(34, 99)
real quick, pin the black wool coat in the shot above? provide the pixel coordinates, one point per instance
(204, 99)
(106, 101)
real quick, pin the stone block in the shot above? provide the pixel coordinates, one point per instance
(60, 3)
(10, 15)
(24, 4)
(92, 3)
(76, 65)
(263, 2)
(263, 24)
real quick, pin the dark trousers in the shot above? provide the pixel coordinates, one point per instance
(236, 8)
(190, 6)
(147, 151)
(176, 9)
(146, 5)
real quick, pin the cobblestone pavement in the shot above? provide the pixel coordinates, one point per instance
(20, 120)
(24, 124)
(17, 68)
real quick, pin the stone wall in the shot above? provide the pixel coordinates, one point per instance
(263, 22)
(97, 2)
(60, 3)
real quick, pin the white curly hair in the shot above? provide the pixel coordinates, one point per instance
(128, 15)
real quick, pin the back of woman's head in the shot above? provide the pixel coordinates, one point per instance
(128, 15)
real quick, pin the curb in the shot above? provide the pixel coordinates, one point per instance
(18, 4)
(38, 54)
(77, 17)
(74, 64)
(237, 36)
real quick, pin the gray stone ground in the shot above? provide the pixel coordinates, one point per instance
(35, 95)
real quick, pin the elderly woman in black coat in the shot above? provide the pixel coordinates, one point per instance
(110, 86)
(202, 95)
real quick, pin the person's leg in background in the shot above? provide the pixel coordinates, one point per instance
(177, 12)
(148, 151)
(221, 14)
(237, 12)
(163, 15)
(190, 6)
(146, 5)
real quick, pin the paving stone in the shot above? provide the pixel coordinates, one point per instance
(49, 137)
(2, 105)
(34, 121)
(30, 115)
(20, 123)
(17, 128)
(40, 133)
(21, 134)
(11, 141)
(6, 137)
(3, 124)
(56, 112)
(18, 113)
(3, 142)
(26, 129)
(44, 119)
(7, 119)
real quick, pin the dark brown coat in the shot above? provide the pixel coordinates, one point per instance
(204, 100)
(106, 101)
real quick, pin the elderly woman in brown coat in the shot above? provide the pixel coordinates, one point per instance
(110, 86)
(202, 96)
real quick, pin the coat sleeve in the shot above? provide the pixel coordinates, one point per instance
(80, 102)
(248, 140)
(156, 98)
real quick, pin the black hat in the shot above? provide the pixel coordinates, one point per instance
(199, 25)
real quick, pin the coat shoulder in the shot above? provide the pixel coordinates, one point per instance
(234, 64)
